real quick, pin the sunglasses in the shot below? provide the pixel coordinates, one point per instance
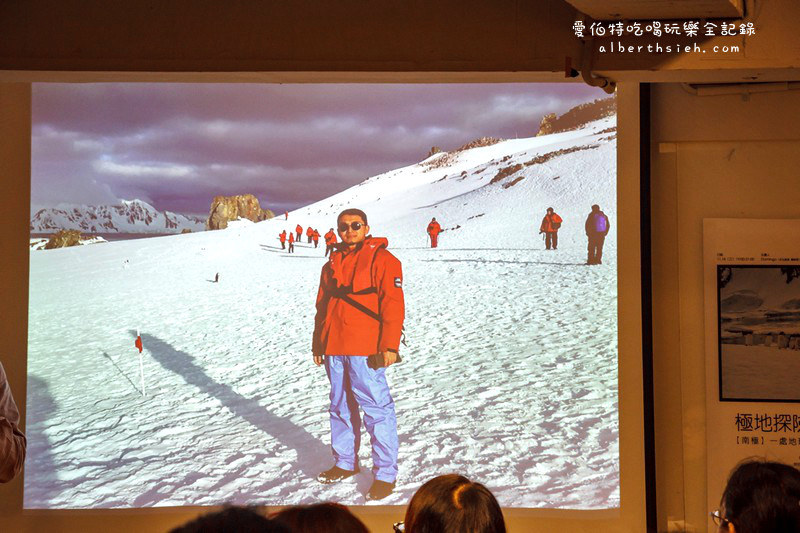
(355, 226)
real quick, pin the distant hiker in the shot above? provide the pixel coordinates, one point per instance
(550, 224)
(310, 234)
(216, 278)
(330, 242)
(291, 243)
(299, 230)
(282, 237)
(286, 214)
(315, 235)
(434, 229)
(597, 226)
(357, 330)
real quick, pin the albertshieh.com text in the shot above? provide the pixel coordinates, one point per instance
(620, 48)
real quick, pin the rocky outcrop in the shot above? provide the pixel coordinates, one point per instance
(227, 208)
(64, 238)
(578, 116)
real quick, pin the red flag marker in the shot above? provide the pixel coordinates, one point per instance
(139, 345)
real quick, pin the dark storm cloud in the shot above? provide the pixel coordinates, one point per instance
(178, 145)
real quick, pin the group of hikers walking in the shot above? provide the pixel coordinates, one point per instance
(596, 227)
(311, 234)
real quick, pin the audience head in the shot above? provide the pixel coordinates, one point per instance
(761, 497)
(328, 517)
(451, 504)
(232, 519)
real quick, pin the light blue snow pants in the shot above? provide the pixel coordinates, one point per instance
(354, 385)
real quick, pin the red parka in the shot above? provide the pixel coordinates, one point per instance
(434, 228)
(283, 236)
(330, 238)
(551, 223)
(372, 278)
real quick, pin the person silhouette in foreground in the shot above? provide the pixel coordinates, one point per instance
(232, 519)
(357, 330)
(12, 439)
(452, 504)
(328, 517)
(760, 497)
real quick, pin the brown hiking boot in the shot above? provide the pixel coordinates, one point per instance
(336, 474)
(379, 490)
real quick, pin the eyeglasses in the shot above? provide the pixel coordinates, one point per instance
(718, 519)
(355, 226)
(399, 527)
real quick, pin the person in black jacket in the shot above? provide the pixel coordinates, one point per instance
(597, 226)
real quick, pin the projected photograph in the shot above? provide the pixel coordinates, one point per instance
(759, 333)
(287, 294)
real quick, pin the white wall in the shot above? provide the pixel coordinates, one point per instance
(712, 157)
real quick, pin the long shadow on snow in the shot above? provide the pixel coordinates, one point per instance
(121, 372)
(312, 455)
(42, 486)
(499, 261)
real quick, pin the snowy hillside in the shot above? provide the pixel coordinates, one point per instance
(509, 376)
(130, 216)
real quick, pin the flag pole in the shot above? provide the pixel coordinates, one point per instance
(141, 364)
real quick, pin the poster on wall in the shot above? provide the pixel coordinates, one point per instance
(752, 333)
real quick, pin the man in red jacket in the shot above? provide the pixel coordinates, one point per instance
(309, 234)
(291, 243)
(330, 242)
(550, 224)
(299, 230)
(434, 229)
(282, 237)
(357, 330)
(315, 236)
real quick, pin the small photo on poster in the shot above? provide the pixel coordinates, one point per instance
(759, 333)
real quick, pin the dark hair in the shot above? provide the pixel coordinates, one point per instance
(595, 207)
(329, 517)
(551, 209)
(231, 519)
(452, 504)
(353, 212)
(763, 497)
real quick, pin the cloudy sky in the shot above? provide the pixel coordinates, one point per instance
(176, 146)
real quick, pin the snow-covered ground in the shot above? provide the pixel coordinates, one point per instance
(760, 372)
(510, 373)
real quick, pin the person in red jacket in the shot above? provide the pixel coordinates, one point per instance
(315, 236)
(357, 330)
(282, 237)
(310, 234)
(434, 229)
(291, 243)
(550, 224)
(330, 242)
(299, 230)
(286, 214)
